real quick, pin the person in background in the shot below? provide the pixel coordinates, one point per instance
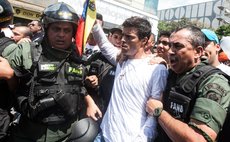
(162, 45)
(212, 49)
(102, 72)
(91, 46)
(50, 77)
(37, 30)
(21, 34)
(114, 36)
(150, 44)
(224, 55)
(198, 115)
(135, 81)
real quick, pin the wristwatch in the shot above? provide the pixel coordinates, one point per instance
(157, 111)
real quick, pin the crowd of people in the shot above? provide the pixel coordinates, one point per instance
(128, 85)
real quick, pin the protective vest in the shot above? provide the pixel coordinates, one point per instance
(5, 95)
(179, 97)
(4, 42)
(56, 88)
(105, 72)
(6, 101)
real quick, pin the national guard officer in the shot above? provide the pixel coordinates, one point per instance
(197, 96)
(51, 77)
(6, 72)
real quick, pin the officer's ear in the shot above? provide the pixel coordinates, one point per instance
(199, 51)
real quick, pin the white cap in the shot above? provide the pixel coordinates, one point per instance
(225, 45)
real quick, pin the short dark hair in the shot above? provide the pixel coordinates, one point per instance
(196, 37)
(164, 34)
(99, 16)
(116, 29)
(142, 25)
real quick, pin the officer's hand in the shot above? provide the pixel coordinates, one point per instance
(92, 109)
(157, 60)
(91, 81)
(152, 104)
(94, 112)
(6, 72)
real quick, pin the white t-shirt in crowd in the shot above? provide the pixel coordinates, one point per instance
(90, 49)
(224, 68)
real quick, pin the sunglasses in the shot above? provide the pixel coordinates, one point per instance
(165, 43)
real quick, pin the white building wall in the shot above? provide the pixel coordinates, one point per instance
(206, 12)
(114, 12)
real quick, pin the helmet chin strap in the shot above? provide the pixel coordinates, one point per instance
(56, 52)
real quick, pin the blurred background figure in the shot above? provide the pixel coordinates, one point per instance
(21, 34)
(162, 45)
(37, 30)
(115, 35)
(102, 70)
(212, 48)
(91, 45)
(6, 18)
(224, 54)
(150, 44)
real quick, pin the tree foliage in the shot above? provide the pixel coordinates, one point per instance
(223, 30)
(172, 25)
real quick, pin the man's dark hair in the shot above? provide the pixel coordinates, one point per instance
(141, 24)
(164, 34)
(99, 16)
(196, 38)
(116, 29)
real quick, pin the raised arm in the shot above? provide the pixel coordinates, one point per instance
(107, 49)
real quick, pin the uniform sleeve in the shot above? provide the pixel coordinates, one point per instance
(212, 102)
(9, 49)
(19, 57)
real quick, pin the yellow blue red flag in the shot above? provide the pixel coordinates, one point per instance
(85, 25)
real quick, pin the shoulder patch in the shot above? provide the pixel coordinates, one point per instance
(214, 92)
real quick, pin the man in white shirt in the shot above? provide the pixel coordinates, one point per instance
(136, 80)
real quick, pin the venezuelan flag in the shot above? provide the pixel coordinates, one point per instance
(85, 25)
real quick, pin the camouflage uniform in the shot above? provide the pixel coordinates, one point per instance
(51, 83)
(209, 106)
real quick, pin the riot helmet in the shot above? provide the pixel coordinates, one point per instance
(6, 13)
(84, 130)
(59, 12)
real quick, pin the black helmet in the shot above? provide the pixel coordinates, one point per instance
(59, 12)
(84, 130)
(6, 13)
